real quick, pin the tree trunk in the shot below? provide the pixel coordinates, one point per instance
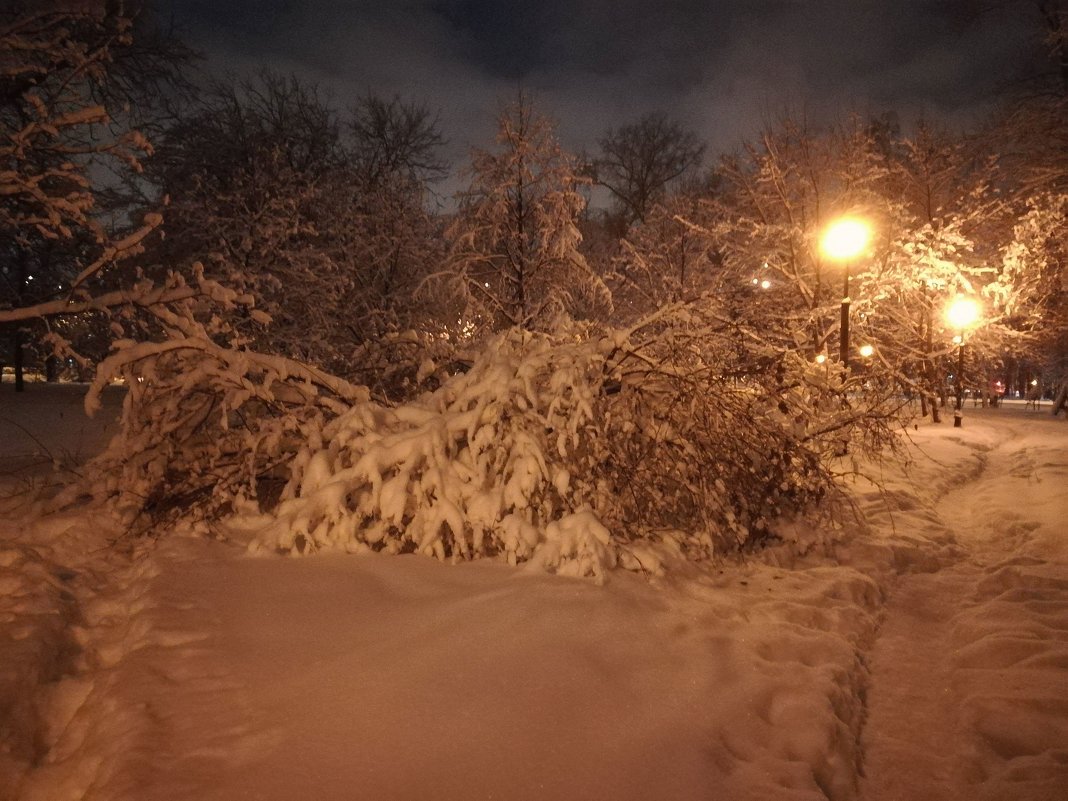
(928, 367)
(17, 361)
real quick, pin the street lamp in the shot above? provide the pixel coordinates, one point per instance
(961, 313)
(844, 240)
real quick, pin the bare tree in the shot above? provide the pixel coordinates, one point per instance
(325, 223)
(394, 138)
(639, 162)
(1055, 20)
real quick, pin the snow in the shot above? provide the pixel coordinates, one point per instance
(46, 426)
(924, 655)
(978, 635)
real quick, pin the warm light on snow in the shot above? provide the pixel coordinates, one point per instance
(927, 647)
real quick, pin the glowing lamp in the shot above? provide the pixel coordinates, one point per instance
(962, 312)
(845, 238)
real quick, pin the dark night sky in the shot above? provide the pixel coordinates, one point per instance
(721, 68)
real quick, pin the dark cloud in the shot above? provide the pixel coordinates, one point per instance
(720, 67)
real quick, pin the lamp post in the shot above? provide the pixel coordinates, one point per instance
(961, 313)
(844, 240)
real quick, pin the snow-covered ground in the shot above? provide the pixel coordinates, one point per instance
(45, 427)
(923, 657)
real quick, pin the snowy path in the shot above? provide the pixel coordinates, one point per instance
(968, 691)
(927, 660)
(377, 678)
(911, 672)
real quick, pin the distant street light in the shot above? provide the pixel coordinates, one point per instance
(843, 241)
(866, 351)
(961, 313)
(821, 359)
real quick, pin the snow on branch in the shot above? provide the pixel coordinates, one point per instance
(575, 452)
(203, 423)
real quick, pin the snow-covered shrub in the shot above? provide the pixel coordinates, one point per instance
(205, 420)
(681, 436)
(573, 450)
(712, 438)
(477, 468)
